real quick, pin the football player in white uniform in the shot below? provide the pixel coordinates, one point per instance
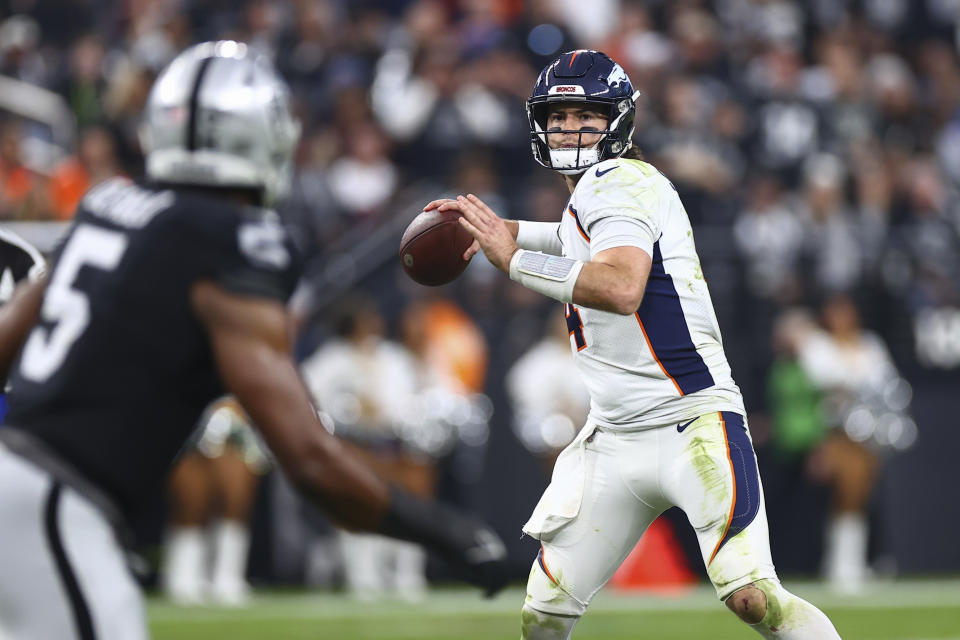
(666, 424)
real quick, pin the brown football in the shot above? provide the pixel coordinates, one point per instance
(431, 250)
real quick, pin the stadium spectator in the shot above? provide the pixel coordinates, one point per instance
(363, 179)
(831, 247)
(20, 56)
(550, 403)
(367, 385)
(22, 190)
(84, 84)
(211, 492)
(851, 368)
(96, 160)
(770, 238)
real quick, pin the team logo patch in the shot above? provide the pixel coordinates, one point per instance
(617, 76)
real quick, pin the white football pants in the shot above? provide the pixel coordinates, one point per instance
(62, 573)
(608, 486)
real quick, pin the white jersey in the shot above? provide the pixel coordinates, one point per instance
(664, 363)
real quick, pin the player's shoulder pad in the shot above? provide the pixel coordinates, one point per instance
(619, 171)
(126, 204)
(255, 234)
(262, 239)
(620, 186)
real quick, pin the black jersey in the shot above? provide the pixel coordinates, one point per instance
(117, 372)
(18, 261)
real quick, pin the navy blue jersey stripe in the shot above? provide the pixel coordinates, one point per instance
(663, 322)
(543, 565)
(747, 479)
(576, 218)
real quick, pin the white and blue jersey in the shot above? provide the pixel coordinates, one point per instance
(666, 425)
(665, 362)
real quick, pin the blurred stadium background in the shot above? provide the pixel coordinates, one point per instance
(815, 144)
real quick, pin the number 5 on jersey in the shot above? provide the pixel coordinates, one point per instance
(575, 325)
(66, 306)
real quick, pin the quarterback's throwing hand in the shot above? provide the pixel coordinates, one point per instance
(489, 230)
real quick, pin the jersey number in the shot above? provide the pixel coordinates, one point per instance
(575, 326)
(67, 307)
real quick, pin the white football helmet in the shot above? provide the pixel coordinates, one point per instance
(219, 115)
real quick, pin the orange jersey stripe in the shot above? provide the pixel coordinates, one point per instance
(733, 478)
(579, 228)
(543, 564)
(650, 345)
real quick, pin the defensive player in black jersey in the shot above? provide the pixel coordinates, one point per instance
(162, 298)
(19, 262)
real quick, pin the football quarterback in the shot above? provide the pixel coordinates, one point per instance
(667, 425)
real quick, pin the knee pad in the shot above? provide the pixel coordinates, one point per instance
(546, 594)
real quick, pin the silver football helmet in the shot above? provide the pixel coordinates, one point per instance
(219, 115)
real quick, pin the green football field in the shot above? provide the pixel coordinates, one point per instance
(903, 610)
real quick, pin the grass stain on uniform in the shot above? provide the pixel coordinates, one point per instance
(557, 591)
(779, 612)
(714, 475)
(530, 620)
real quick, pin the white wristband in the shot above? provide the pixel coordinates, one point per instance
(553, 276)
(539, 236)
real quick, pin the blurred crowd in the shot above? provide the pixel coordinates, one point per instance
(814, 143)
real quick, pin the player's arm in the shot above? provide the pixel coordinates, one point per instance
(251, 345)
(535, 236)
(614, 280)
(17, 318)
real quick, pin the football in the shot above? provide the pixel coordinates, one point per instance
(432, 247)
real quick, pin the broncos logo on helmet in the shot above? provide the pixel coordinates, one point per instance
(593, 78)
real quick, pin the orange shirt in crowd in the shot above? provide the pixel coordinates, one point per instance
(15, 185)
(67, 185)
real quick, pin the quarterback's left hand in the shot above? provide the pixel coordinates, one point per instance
(490, 231)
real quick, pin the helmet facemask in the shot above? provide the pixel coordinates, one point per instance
(612, 143)
(593, 79)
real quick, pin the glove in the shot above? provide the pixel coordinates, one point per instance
(473, 549)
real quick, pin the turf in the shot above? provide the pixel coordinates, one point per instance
(924, 610)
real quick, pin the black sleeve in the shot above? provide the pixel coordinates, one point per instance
(246, 251)
(266, 263)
